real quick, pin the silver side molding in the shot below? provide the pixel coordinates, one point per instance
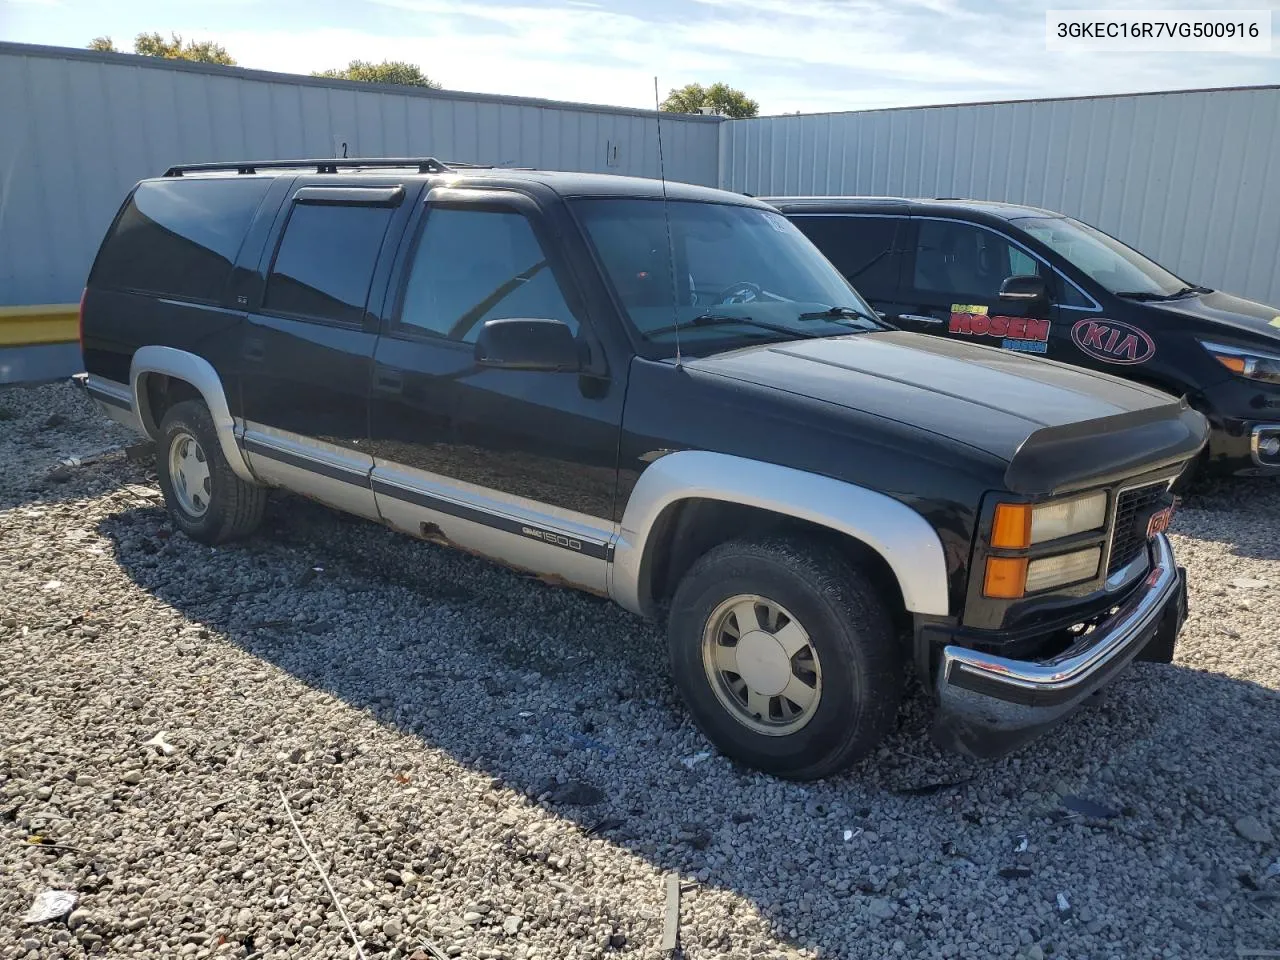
(115, 400)
(332, 474)
(906, 541)
(198, 372)
(554, 543)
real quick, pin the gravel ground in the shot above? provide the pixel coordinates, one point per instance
(499, 769)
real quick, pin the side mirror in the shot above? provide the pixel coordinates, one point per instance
(519, 344)
(1025, 288)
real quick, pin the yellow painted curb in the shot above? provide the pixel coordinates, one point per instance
(39, 323)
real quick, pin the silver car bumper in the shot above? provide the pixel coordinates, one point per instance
(989, 704)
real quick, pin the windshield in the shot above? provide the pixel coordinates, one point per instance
(1105, 259)
(740, 272)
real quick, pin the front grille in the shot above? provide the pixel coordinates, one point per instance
(1133, 512)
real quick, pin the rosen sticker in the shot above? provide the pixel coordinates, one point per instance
(1274, 321)
(1112, 341)
(1023, 334)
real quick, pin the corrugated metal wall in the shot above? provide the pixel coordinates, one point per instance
(1190, 179)
(78, 129)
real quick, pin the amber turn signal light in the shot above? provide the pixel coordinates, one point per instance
(1234, 364)
(1011, 529)
(1006, 577)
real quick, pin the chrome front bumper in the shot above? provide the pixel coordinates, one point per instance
(1261, 432)
(988, 704)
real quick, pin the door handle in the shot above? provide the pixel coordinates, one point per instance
(919, 318)
(390, 380)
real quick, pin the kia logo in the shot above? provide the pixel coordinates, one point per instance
(1112, 341)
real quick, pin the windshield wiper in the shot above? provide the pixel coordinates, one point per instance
(837, 313)
(1145, 295)
(719, 319)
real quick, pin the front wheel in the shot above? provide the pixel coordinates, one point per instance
(785, 656)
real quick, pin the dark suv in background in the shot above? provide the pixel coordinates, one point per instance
(665, 395)
(1037, 282)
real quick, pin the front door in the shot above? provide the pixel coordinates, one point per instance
(515, 464)
(952, 287)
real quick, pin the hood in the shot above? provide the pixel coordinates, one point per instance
(1236, 314)
(1013, 407)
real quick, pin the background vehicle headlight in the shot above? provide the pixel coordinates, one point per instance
(1246, 362)
(1019, 525)
(1063, 569)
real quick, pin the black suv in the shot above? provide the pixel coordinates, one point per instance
(1038, 282)
(666, 397)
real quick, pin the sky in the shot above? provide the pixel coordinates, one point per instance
(789, 55)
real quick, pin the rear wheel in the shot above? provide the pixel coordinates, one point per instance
(785, 656)
(205, 498)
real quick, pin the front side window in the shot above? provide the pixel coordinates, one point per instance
(1104, 259)
(702, 270)
(957, 259)
(179, 238)
(476, 265)
(325, 263)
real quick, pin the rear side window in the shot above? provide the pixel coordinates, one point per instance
(324, 266)
(179, 238)
(862, 248)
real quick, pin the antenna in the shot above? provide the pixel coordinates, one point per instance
(666, 216)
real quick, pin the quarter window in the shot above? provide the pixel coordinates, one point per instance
(325, 262)
(961, 260)
(476, 265)
(179, 238)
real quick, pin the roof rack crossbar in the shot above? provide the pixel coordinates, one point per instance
(424, 165)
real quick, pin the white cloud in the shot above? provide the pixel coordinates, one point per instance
(790, 55)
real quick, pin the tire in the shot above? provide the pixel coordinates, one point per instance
(212, 509)
(850, 663)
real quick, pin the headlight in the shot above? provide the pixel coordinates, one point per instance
(1063, 569)
(1019, 525)
(1009, 578)
(1246, 362)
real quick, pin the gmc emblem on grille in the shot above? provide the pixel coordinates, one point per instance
(1159, 522)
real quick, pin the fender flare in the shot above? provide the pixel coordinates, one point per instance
(907, 542)
(198, 372)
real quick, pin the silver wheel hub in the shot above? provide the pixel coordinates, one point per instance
(761, 664)
(189, 472)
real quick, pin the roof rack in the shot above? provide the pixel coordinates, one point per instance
(424, 165)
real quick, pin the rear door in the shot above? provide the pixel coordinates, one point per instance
(868, 249)
(307, 353)
(951, 286)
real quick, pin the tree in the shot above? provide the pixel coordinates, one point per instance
(154, 45)
(722, 99)
(389, 71)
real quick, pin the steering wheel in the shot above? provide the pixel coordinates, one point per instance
(744, 291)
